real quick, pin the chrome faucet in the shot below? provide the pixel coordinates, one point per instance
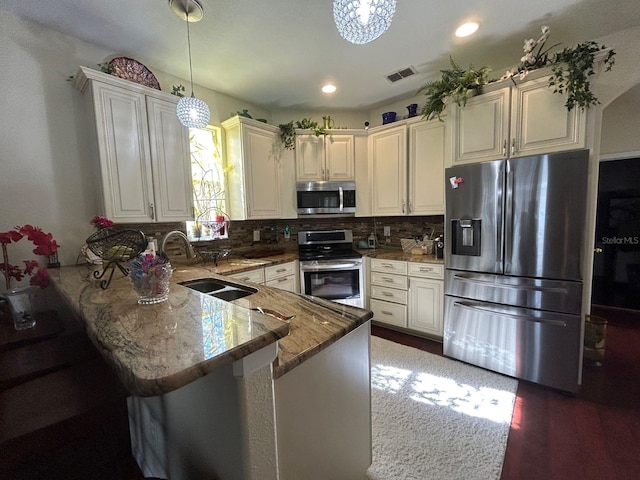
(188, 247)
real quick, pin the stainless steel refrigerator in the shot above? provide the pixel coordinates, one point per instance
(513, 281)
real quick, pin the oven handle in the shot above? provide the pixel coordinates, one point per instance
(332, 266)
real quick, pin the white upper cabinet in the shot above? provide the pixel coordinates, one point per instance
(426, 167)
(388, 160)
(513, 121)
(407, 168)
(256, 180)
(171, 178)
(325, 157)
(144, 173)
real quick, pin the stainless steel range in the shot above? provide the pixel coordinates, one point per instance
(329, 267)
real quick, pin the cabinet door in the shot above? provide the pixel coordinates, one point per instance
(310, 157)
(262, 173)
(170, 162)
(388, 159)
(340, 157)
(481, 128)
(540, 123)
(426, 306)
(426, 168)
(125, 159)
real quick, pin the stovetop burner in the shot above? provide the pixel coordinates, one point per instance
(326, 245)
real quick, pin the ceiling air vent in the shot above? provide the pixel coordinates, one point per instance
(400, 74)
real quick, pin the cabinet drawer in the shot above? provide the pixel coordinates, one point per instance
(389, 294)
(387, 312)
(389, 280)
(289, 283)
(255, 276)
(282, 270)
(391, 266)
(426, 270)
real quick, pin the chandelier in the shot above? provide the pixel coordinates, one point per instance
(192, 112)
(361, 21)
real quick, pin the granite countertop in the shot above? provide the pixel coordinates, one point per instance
(159, 348)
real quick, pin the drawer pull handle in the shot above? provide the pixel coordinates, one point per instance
(426, 269)
(387, 294)
(387, 265)
(280, 280)
(386, 312)
(280, 270)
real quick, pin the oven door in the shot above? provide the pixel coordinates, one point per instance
(337, 280)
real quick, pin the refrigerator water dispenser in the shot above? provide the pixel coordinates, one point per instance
(465, 237)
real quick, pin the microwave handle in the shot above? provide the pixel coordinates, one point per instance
(341, 194)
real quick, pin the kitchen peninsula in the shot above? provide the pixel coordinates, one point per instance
(219, 389)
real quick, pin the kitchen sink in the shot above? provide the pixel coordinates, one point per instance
(220, 288)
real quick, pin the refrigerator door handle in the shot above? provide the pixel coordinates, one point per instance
(508, 219)
(531, 288)
(557, 323)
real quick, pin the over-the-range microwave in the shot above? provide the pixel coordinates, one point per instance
(326, 198)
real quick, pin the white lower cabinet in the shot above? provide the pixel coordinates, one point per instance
(411, 298)
(283, 276)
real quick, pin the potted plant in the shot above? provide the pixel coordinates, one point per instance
(455, 84)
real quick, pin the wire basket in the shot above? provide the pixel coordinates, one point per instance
(117, 245)
(213, 255)
(408, 244)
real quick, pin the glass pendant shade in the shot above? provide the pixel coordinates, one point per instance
(193, 112)
(361, 21)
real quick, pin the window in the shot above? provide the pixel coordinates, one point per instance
(209, 192)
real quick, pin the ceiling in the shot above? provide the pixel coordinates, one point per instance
(278, 53)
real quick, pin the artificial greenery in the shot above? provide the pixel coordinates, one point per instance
(106, 68)
(287, 131)
(571, 69)
(177, 90)
(457, 84)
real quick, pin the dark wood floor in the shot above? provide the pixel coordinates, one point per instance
(593, 435)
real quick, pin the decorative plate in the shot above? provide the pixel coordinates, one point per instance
(131, 69)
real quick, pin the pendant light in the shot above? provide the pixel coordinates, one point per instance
(192, 112)
(361, 21)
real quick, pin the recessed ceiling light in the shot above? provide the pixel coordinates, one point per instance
(466, 29)
(328, 88)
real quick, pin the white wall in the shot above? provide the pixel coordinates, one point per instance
(621, 124)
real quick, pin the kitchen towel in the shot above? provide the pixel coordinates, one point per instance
(435, 418)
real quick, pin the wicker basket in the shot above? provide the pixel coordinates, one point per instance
(117, 245)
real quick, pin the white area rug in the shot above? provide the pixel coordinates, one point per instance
(435, 418)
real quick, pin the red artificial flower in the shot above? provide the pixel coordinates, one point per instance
(15, 272)
(40, 279)
(101, 222)
(30, 266)
(45, 245)
(10, 236)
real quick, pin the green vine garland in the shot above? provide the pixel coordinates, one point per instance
(571, 69)
(287, 131)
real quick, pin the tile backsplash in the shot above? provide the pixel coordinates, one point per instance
(272, 231)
